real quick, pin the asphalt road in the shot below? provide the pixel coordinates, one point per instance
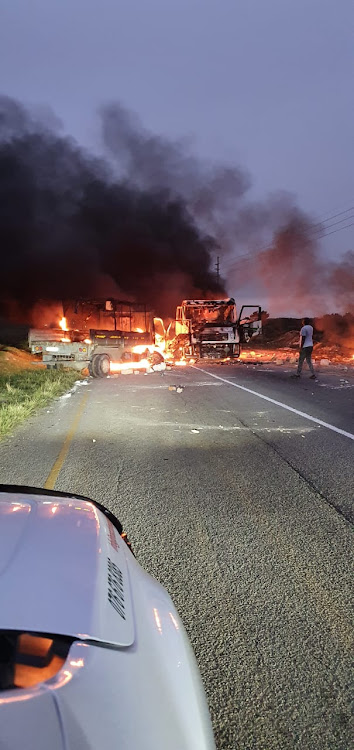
(243, 509)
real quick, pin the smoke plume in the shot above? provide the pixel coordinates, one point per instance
(272, 245)
(71, 227)
(145, 222)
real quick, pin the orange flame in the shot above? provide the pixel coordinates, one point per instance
(63, 324)
(141, 348)
(123, 366)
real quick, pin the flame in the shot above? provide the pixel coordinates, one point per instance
(160, 337)
(63, 324)
(122, 366)
(65, 340)
(141, 348)
(181, 363)
(138, 330)
(160, 342)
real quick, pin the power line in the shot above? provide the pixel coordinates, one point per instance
(334, 224)
(338, 208)
(252, 255)
(337, 230)
(328, 218)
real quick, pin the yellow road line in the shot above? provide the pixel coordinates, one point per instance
(57, 466)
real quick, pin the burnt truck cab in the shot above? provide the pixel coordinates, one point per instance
(211, 329)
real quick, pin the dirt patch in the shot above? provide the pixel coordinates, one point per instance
(12, 360)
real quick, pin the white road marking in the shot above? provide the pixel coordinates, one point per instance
(279, 403)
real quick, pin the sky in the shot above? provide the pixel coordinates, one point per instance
(264, 84)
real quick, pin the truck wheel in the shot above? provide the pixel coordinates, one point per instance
(104, 365)
(94, 366)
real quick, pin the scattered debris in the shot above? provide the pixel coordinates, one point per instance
(160, 367)
(177, 388)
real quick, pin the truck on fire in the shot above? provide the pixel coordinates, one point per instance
(101, 335)
(211, 329)
(118, 336)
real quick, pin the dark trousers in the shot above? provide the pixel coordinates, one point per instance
(305, 353)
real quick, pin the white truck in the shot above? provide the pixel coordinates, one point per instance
(211, 329)
(101, 335)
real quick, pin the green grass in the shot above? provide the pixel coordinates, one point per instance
(24, 391)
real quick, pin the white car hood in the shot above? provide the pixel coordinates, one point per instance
(67, 577)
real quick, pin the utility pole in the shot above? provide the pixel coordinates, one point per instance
(217, 266)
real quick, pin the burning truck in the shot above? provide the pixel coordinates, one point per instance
(119, 336)
(101, 335)
(211, 329)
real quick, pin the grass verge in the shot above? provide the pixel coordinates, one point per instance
(24, 391)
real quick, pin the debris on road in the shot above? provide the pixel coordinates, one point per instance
(177, 388)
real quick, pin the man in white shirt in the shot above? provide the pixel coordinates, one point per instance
(306, 347)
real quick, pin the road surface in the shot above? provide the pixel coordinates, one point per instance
(243, 509)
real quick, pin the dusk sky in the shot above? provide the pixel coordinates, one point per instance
(264, 84)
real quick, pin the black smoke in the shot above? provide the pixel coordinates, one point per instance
(71, 226)
(146, 222)
(270, 246)
(216, 195)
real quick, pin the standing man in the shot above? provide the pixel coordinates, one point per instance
(306, 347)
